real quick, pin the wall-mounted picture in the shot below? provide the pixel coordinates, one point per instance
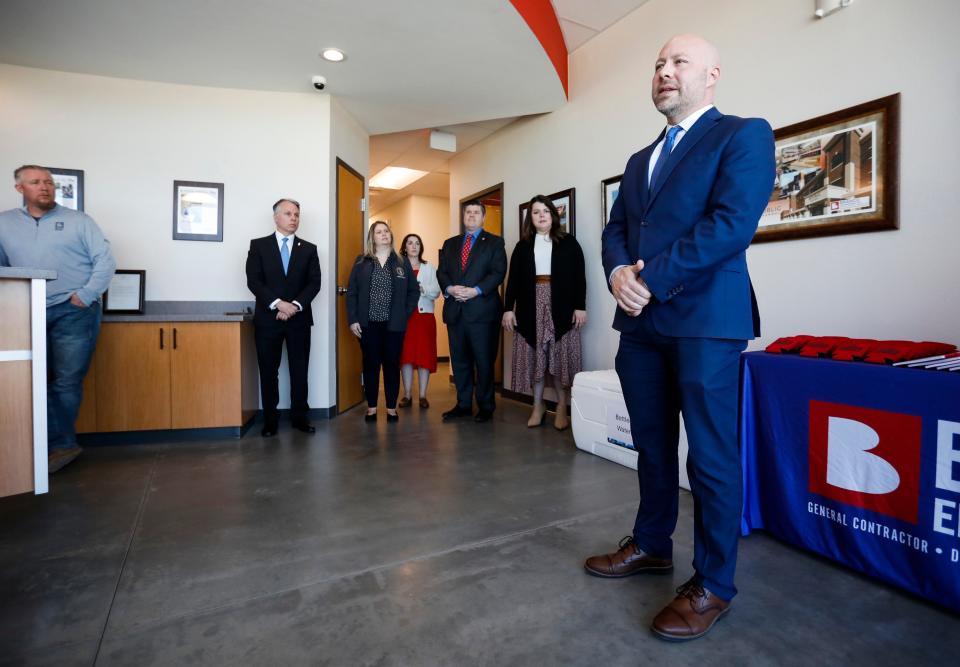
(197, 211)
(69, 184)
(836, 174)
(610, 188)
(125, 294)
(566, 203)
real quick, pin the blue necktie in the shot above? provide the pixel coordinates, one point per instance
(284, 254)
(664, 155)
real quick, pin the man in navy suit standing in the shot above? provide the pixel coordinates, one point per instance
(674, 256)
(472, 266)
(283, 272)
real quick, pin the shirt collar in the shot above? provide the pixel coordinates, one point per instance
(53, 210)
(280, 238)
(475, 233)
(690, 120)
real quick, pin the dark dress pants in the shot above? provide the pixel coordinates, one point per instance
(381, 349)
(269, 340)
(662, 376)
(473, 353)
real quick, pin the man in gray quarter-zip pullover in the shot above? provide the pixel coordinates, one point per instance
(45, 235)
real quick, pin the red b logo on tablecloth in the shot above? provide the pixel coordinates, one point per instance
(866, 458)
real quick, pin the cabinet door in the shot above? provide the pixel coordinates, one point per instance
(205, 375)
(87, 416)
(133, 377)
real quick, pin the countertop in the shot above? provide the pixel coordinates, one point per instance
(189, 311)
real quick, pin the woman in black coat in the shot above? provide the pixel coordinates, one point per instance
(545, 307)
(381, 294)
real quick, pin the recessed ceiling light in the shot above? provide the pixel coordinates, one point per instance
(396, 178)
(333, 55)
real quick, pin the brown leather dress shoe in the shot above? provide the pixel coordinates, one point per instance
(626, 561)
(404, 402)
(691, 614)
(424, 403)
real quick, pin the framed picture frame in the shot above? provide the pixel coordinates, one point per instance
(836, 174)
(609, 189)
(69, 185)
(566, 203)
(197, 211)
(125, 294)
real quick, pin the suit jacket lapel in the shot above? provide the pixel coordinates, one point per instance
(642, 186)
(273, 252)
(703, 125)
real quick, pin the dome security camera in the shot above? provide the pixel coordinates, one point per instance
(319, 82)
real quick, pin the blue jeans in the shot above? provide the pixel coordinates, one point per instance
(71, 338)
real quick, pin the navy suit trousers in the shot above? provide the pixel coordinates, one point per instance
(661, 377)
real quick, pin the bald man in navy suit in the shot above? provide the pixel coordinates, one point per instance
(674, 253)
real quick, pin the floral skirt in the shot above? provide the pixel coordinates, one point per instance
(560, 358)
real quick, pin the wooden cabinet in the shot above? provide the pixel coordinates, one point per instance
(163, 375)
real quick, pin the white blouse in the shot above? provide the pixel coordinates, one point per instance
(542, 251)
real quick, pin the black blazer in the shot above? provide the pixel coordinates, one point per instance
(406, 292)
(486, 269)
(568, 286)
(266, 280)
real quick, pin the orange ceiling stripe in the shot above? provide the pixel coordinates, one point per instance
(542, 19)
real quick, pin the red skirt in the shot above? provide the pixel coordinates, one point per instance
(420, 342)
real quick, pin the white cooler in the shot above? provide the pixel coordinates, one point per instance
(601, 425)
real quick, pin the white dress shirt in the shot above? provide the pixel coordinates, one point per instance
(290, 241)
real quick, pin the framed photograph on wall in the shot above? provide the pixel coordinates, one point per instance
(566, 203)
(125, 294)
(69, 185)
(836, 174)
(197, 211)
(610, 188)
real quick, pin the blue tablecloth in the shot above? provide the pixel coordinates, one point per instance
(857, 462)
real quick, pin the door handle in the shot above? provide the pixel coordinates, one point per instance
(161, 338)
(341, 290)
(174, 338)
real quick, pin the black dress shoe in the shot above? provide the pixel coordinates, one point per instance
(269, 430)
(372, 417)
(393, 418)
(456, 413)
(304, 427)
(483, 416)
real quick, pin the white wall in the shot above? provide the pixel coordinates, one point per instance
(782, 64)
(132, 139)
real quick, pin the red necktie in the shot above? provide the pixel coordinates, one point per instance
(465, 251)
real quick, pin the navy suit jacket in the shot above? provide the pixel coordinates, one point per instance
(693, 230)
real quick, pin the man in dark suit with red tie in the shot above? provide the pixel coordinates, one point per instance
(472, 266)
(283, 272)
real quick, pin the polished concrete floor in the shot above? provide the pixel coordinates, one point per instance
(418, 543)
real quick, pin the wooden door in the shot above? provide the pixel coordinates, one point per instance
(133, 376)
(350, 233)
(205, 382)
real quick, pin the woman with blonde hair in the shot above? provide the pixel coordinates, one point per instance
(381, 294)
(545, 307)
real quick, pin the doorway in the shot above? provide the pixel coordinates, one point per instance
(349, 243)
